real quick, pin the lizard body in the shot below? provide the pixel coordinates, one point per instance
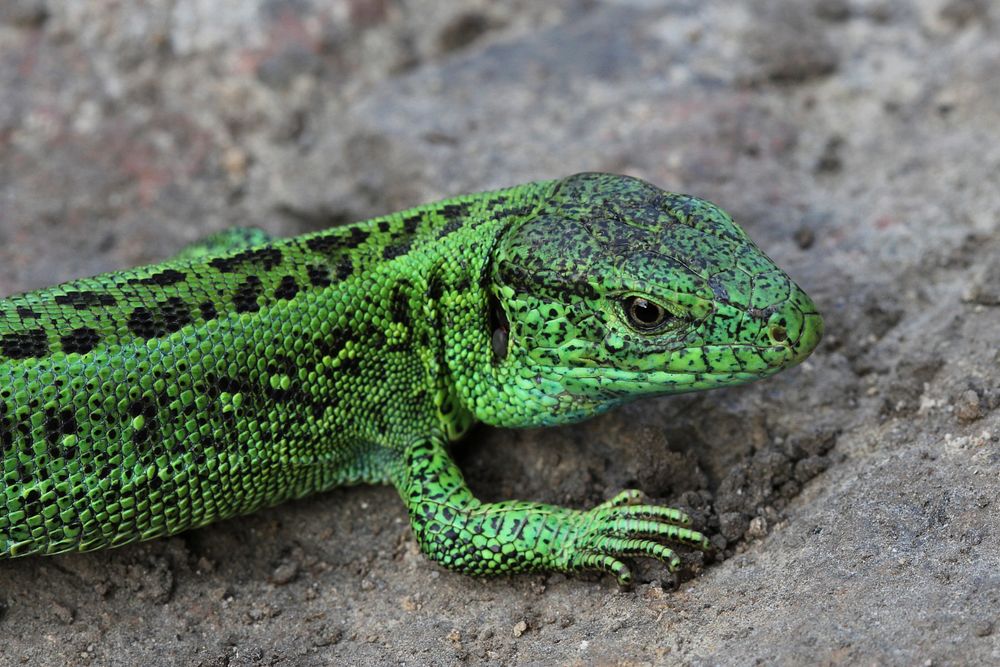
(247, 371)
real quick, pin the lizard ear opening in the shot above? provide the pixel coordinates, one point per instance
(499, 328)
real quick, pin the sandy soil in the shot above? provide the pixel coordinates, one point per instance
(853, 500)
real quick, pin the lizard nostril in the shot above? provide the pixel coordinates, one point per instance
(779, 334)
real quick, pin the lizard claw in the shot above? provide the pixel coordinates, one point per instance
(623, 528)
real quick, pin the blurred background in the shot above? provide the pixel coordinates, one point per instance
(852, 501)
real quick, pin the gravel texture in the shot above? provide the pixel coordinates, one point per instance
(853, 501)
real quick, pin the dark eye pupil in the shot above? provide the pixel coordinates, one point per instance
(644, 314)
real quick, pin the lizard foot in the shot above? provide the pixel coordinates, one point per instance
(625, 527)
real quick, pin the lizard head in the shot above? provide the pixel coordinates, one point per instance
(615, 289)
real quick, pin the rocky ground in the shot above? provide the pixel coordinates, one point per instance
(853, 500)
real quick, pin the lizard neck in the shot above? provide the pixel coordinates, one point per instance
(478, 384)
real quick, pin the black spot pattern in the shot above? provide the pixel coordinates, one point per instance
(287, 289)
(84, 300)
(455, 211)
(167, 317)
(451, 226)
(24, 345)
(208, 311)
(395, 250)
(524, 281)
(6, 428)
(80, 340)
(319, 276)
(142, 323)
(146, 408)
(163, 278)
(333, 343)
(175, 313)
(335, 240)
(266, 258)
(399, 307)
(245, 298)
(410, 224)
(344, 268)
(59, 424)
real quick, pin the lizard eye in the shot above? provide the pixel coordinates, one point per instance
(644, 315)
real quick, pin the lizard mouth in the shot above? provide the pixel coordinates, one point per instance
(812, 333)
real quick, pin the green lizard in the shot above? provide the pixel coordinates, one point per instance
(247, 371)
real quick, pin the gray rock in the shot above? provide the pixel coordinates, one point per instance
(875, 531)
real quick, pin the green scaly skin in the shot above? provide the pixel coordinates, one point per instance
(248, 371)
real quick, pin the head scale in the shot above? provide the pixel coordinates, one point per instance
(616, 289)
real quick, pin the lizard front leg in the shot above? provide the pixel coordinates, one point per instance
(461, 533)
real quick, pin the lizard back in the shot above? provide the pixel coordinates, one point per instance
(147, 401)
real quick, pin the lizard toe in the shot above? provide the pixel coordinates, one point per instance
(632, 548)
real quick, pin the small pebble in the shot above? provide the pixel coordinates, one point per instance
(805, 238)
(982, 629)
(968, 407)
(758, 528)
(285, 573)
(733, 525)
(63, 613)
(328, 637)
(830, 160)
